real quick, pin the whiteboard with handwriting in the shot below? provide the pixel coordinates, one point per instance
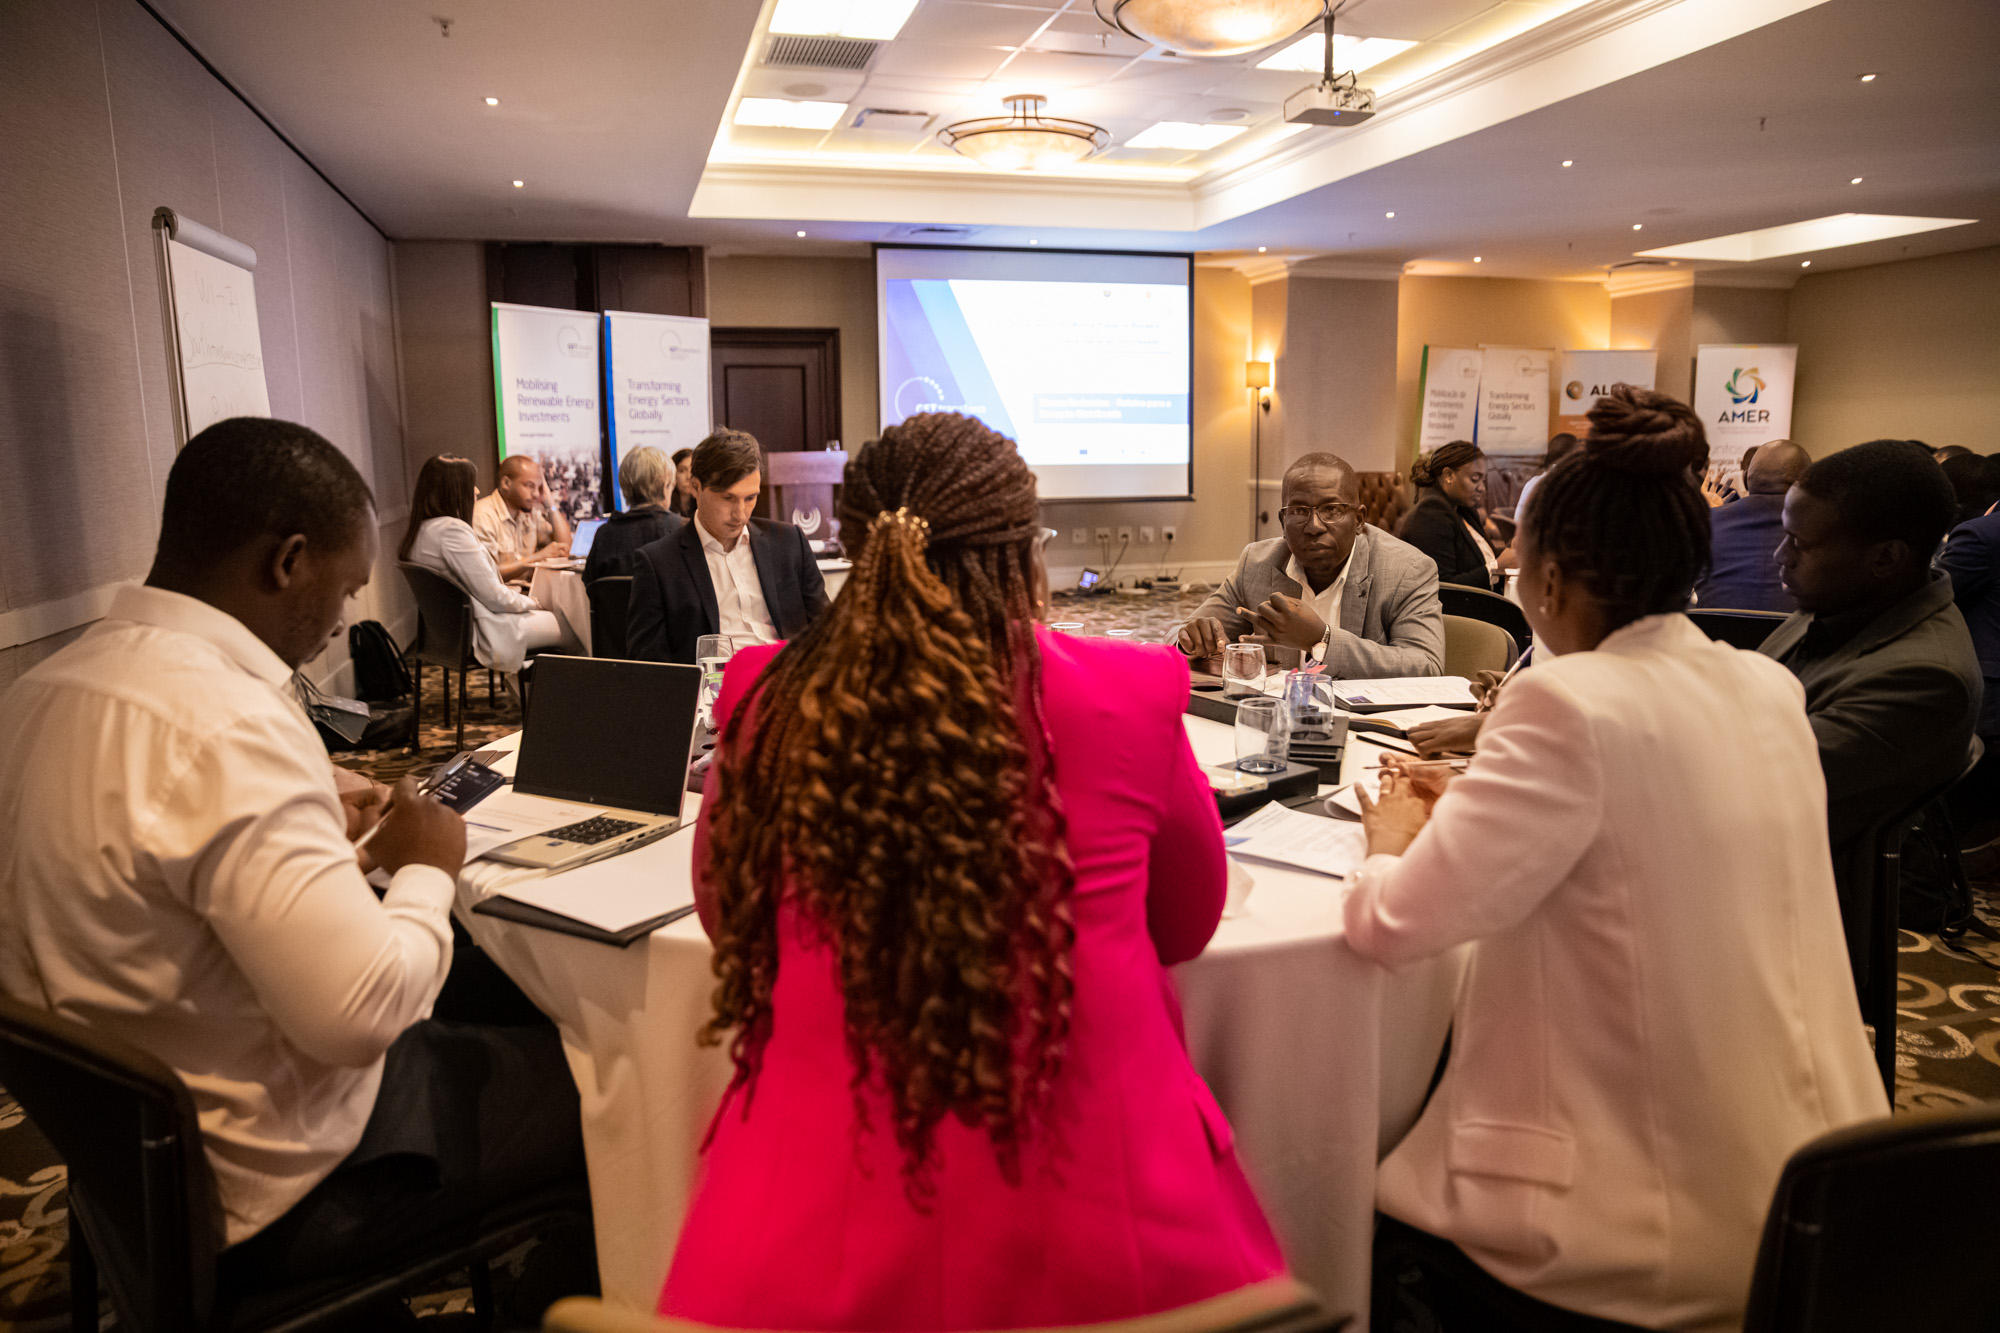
(217, 351)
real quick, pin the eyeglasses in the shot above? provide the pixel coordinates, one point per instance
(1329, 514)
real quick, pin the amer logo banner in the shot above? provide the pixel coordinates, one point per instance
(1743, 394)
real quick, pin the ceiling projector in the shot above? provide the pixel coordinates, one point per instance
(1330, 104)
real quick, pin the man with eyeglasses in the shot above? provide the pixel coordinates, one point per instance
(1339, 591)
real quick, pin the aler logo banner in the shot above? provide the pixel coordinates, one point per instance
(1743, 395)
(1585, 376)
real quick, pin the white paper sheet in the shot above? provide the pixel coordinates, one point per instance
(507, 815)
(1309, 842)
(1404, 691)
(611, 894)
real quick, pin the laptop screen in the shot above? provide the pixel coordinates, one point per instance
(586, 533)
(607, 732)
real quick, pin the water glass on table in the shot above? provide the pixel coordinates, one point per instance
(712, 653)
(1242, 669)
(1262, 735)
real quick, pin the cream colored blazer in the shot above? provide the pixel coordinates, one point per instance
(1659, 1008)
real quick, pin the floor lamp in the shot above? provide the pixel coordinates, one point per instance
(1257, 378)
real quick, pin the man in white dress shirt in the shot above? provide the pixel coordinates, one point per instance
(177, 870)
(727, 572)
(1332, 587)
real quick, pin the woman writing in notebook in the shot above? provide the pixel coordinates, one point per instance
(945, 857)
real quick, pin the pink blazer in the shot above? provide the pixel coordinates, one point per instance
(1130, 1199)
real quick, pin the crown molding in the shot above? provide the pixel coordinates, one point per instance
(837, 194)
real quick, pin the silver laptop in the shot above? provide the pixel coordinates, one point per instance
(606, 733)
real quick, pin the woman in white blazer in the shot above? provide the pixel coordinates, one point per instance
(1659, 1009)
(506, 625)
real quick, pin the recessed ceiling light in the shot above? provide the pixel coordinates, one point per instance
(1262, 248)
(878, 20)
(777, 113)
(1308, 54)
(519, 184)
(1476, 259)
(493, 101)
(1032, 242)
(1805, 263)
(1855, 181)
(1388, 215)
(1638, 226)
(1793, 238)
(1568, 163)
(802, 233)
(1868, 78)
(1183, 134)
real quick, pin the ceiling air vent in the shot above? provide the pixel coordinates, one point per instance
(820, 52)
(1629, 264)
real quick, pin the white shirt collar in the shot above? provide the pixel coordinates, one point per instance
(710, 542)
(1297, 574)
(190, 615)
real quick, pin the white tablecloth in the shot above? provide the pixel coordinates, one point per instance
(1319, 1058)
(562, 591)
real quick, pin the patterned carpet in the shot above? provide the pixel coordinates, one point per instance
(1948, 1038)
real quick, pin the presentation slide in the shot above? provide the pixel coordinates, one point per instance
(1081, 359)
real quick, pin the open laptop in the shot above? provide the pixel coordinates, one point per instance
(579, 543)
(607, 733)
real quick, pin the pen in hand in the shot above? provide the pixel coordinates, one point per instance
(429, 785)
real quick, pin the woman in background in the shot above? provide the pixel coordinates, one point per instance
(682, 502)
(506, 625)
(946, 857)
(1659, 1008)
(643, 478)
(1446, 524)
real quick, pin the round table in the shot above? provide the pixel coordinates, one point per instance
(1319, 1057)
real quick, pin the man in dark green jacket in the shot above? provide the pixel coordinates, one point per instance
(1892, 681)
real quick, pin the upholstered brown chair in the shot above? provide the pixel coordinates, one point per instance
(1385, 498)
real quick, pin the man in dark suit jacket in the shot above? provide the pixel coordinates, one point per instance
(725, 572)
(1891, 680)
(1744, 536)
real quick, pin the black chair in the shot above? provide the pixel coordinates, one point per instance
(144, 1214)
(444, 640)
(1885, 1225)
(1738, 629)
(1491, 607)
(1883, 854)
(610, 598)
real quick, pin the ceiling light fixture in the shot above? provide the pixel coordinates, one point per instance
(1025, 139)
(1868, 78)
(1261, 249)
(777, 113)
(1355, 53)
(875, 20)
(1855, 181)
(1388, 215)
(493, 101)
(1204, 28)
(1805, 263)
(1796, 238)
(519, 184)
(1184, 134)
(1034, 242)
(1638, 226)
(1476, 259)
(1568, 163)
(802, 235)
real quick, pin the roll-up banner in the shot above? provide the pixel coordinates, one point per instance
(1743, 395)
(1586, 375)
(546, 397)
(1448, 395)
(1513, 400)
(655, 383)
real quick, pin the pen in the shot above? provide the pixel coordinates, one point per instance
(1486, 704)
(429, 785)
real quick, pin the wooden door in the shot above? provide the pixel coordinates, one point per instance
(781, 385)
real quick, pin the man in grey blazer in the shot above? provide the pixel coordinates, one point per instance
(1338, 590)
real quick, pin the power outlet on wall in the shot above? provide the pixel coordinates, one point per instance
(1167, 534)
(1124, 536)
(1145, 534)
(1104, 536)
(1079, 536)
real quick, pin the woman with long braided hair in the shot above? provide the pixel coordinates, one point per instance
(1659, 1008)
(945, 857)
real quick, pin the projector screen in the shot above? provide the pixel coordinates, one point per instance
(1081, 358)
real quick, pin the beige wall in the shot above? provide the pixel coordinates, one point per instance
(762, 291)
(1500, 312)
(108, 117)
(1909, 350)
(1663, 321)
(1336, 382)
(446, 330)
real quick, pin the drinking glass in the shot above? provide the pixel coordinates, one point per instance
(1242, 669)
(712, 653)
(1261, 735)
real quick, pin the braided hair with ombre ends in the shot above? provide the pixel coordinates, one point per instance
(1621, 514)
(891, 771)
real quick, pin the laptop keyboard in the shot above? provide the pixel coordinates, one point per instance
(592, 830)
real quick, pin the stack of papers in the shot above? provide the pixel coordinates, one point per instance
(1308, 842)
(1372, 696)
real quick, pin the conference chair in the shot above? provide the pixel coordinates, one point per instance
(1739, 629)
(1473, 646)
(1887, 1224)
(1883, 850)
(444, 640)
(1491, 607)
(1276, 1305)
(1385, 498)
(610, 598)
(144, 1217)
